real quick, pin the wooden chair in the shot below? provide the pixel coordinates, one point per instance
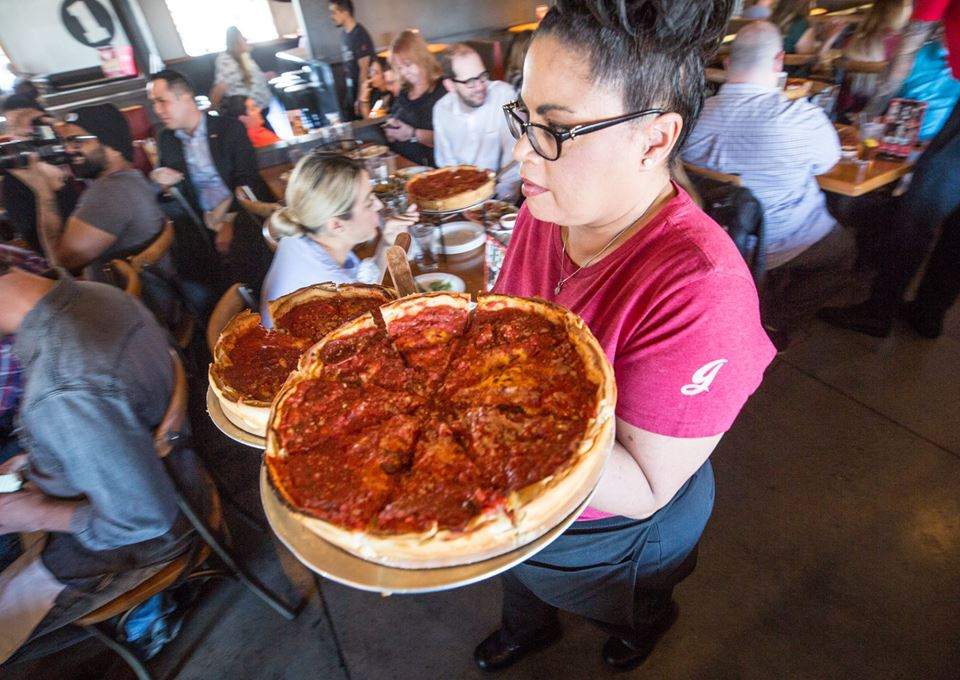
(211, 530)
(151, 255)
(799, 59)
(237, 298)
(154, 252)
(713, 174)
(125, 277)
(857, 66)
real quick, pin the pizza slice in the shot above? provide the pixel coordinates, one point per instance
(425, 330)
(444, 489)
(348, 479)
(315, 311)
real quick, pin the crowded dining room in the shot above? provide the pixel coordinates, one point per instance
(465, 339)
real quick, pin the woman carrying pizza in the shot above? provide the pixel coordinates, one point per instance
(610, 90)
(330, 210)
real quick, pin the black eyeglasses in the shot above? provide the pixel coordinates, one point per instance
(471, 82)
(547, 140)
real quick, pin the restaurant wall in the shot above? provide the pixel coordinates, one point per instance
(435, 19)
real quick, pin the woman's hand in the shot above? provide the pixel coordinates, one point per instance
(398, 224)
(398, 131)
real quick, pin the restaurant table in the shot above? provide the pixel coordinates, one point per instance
(469, 266)
(844, 178)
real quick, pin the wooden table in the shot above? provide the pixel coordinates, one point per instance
(843, 178)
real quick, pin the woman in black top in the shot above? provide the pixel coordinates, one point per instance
(410, 127)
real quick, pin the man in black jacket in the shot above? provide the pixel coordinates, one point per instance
(206, 158)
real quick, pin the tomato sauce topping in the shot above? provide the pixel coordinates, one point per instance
(447, 183)
(260, 361)
(316, 318)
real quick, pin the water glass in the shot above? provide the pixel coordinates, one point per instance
(427, 238)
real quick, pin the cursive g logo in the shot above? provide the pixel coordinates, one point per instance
(703, 378)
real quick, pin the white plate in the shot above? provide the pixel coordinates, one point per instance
(338, 565)
(460, 237)
(223, 424)
(455, 283)
(407, 173)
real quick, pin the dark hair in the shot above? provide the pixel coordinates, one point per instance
(233, 106)
(4, 267)
(175, 80)
(385, 64)
(653, 50)
(345, 5)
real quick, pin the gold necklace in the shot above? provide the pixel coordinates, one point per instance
(563, 280)
(648, 212)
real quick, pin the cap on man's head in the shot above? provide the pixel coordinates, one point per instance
(107, 123)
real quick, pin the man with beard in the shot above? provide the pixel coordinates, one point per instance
(356, 50)
(116, 216)
(468, 123)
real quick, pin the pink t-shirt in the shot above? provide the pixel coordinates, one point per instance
(674, 308)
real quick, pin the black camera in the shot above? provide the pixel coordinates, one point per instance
(43, 142)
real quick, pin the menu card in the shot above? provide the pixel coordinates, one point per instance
(902, 123)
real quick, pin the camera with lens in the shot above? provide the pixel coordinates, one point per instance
(43, 142)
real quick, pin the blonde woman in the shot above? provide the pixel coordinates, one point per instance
(330, 210)
(410, 126)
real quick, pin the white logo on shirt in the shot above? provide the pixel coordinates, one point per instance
(703, 378)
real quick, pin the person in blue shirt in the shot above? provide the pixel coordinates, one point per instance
(330, 210)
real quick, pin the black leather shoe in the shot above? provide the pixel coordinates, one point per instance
(498, 652)
(623, 655)
(862, 318)
(924, 324)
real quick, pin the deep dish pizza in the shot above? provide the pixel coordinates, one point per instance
(432, 434)
(452, 188)
(251, 363)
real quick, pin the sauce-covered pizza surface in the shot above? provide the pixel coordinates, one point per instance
(429, 417)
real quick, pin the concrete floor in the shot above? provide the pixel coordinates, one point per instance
(833, 552)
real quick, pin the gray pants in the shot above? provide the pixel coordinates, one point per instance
(795, 290)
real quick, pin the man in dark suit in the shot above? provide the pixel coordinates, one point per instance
(206, 158)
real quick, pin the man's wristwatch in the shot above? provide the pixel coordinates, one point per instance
(413, 137)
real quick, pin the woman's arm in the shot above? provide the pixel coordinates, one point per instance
(645, 470)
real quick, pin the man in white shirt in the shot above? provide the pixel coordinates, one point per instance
(777, 147)
(468, 123)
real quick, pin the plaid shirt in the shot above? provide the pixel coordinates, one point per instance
(11, 375)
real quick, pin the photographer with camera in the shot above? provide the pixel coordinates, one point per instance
(116, 216)
(29, 127)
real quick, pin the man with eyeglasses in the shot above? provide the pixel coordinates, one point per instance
(468, 123)
(117, 215)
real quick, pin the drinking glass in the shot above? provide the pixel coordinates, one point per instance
(427, 238)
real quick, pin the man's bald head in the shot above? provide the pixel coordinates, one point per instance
(756, 52)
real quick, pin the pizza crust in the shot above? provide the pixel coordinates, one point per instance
(529, 513)
(459, 201)
(250, 415)
(413, 305)
(280, 306)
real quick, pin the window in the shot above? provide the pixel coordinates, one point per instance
(202, 25)
(7, 77)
